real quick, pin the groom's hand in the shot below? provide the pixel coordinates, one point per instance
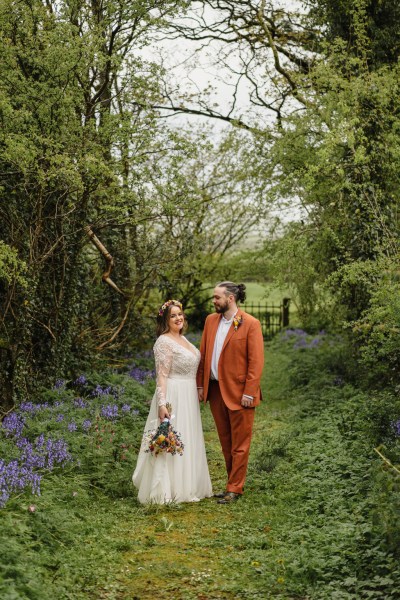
(200, 393)
(247, 401)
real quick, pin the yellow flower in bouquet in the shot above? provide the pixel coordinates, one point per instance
(163, 439)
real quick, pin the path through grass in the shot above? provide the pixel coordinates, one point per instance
(205, 550)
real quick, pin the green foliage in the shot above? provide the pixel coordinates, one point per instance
(11, 268)
(380, 19)
(378, 329)
(80, 146)
(339, 158)
(41, 544)
(342, 539)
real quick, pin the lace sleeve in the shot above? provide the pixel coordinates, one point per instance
(163, 353)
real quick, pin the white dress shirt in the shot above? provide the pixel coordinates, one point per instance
(222, 332)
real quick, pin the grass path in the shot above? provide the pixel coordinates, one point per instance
(300, 532)
(202, 551)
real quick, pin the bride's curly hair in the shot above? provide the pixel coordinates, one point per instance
(164, 314)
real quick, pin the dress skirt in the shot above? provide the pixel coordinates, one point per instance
(177, 478)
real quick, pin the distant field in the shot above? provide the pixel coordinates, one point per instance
(264, 293)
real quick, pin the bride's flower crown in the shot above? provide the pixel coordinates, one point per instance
(168, 303)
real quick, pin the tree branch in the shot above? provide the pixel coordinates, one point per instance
(110, 261)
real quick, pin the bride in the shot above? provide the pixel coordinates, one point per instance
(165, 477)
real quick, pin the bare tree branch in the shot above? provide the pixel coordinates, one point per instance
(110, 261)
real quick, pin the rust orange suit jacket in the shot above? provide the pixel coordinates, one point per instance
(241, 362)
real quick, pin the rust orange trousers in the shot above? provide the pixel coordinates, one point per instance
(234, 430)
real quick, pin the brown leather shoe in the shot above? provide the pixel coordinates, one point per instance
(229, 497)
(220, 495)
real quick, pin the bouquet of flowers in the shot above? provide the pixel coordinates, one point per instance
(164, 439)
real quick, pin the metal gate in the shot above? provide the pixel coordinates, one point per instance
(273, 317)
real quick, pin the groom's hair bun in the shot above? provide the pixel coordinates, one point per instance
(237, 289)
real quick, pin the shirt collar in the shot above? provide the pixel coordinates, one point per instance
(231, 319)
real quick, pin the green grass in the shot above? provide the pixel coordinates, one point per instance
(303, 529)
(266, 293)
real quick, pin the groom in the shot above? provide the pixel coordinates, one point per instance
(232, 359)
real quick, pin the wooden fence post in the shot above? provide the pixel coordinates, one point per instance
(285, 312)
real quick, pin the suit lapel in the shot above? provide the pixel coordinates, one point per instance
(213, 332)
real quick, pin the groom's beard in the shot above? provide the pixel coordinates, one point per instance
(222, 308)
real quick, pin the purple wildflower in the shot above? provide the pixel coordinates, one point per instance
(289, 333)
(21, 442)
(59, 384)
(15, 477)
(13, 424)
(79, 403)
(396, 428)
(109, 411)
(301, 343)
(39, 442)
(28, 407)
(72, 426)
(140, 375)
(59, 418)
(81, 380)
(126, 408)
(99, 391)
(22, 473)
(86, 425)
(57, 452)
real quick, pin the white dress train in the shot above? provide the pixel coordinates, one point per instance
(180, 478)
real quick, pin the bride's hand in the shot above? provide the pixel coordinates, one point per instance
(163, 413)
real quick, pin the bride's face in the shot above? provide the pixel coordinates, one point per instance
(176, 319)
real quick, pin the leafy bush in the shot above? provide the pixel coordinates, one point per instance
(84, 426)
(344, 505)
(325, 360)
(73, 450)
(378, 331)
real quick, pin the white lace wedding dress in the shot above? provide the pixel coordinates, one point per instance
(180, 478)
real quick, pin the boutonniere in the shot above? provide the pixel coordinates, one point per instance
(237, 321)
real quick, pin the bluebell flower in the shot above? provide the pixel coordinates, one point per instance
(109, 411)
(13, 424)
(140, 375)
(99, 391)
(81, 380)
(396, 428)
(86, 425)
(40, 441)
(79, 403)
(59, 384)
